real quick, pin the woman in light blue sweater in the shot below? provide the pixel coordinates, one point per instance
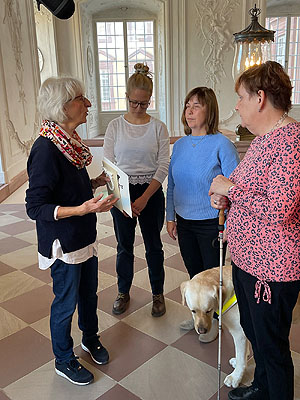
(197, 158)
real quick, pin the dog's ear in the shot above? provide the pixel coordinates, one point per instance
(183, 289)
(216, 296)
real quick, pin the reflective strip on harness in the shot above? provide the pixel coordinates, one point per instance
(227, 306)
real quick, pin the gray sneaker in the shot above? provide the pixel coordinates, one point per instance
(187, 325)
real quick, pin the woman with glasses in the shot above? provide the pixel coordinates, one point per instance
(139, 145)
(60, 200)
(196, 159)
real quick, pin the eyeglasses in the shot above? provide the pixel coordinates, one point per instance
(80, 98)
(142, 104)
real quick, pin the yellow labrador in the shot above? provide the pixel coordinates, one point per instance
(202, 297)
(201, 294)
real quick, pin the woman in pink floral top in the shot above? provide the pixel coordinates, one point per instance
(263, 197)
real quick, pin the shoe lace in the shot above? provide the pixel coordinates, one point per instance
(74, 364)
(121, 296)
(157, 298)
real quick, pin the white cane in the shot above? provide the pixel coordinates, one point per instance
(221, 231)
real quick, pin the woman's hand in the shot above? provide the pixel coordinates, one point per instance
(172, 229)
(139, 204)
(96, 205)
(101, 180)
(219, 202)
(93, 205)
(220, 185)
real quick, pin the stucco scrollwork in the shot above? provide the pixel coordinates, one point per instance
(213, 25)
(12, 17)
(89, 60)
(25, 146)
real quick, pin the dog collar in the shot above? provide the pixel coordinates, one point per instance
(227, 306)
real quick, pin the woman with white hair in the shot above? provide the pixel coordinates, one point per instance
(60, 199)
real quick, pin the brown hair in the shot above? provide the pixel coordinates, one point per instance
(272, 79)
(141, 79)
(206, 97)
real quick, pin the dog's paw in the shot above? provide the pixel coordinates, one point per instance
(232, 362)
(232, 381)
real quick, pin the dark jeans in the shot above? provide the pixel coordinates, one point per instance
(195, 240)
(151, 222)
(73, 284)
(267, 326)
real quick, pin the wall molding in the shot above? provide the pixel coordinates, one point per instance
(9, 188)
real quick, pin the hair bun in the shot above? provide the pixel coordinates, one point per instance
(141, 68)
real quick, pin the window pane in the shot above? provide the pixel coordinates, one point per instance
(278, 48)
(294, 58)
(111, 65)
(140, 48)
(140, 39)
(279, 53)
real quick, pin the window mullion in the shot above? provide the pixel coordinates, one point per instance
(126, 53)
(287, 43)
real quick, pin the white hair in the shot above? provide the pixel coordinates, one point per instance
(54, 93)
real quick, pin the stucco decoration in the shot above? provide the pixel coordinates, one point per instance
(212, 25)
(25, 146)
(89, 60)
(228, 118)
(12, 18)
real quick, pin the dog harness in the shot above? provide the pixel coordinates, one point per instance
(228, 305)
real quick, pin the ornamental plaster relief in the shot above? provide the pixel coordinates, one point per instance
(213, 24)
(24, 145)
(15, 54)
(12, 18)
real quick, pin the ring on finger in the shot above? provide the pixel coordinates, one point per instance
(215, 202)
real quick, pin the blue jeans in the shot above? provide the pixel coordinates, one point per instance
(73, 284)
(151, 221)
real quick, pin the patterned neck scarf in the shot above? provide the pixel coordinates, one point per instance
(72, 147)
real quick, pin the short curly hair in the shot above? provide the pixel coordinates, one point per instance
(272, 79)
(206, 97)
(54, 93)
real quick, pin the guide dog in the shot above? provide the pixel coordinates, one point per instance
(201, 295)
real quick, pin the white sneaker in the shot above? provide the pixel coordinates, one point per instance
(212, 334)
(187, 325)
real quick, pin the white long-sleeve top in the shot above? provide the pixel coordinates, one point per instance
(141, 151)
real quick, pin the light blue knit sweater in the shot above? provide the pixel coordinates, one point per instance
(191, 171)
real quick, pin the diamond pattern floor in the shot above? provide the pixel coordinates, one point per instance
(150, 358)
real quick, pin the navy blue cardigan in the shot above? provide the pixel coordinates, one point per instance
(55, 181)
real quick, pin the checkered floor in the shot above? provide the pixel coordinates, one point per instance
(150, 358)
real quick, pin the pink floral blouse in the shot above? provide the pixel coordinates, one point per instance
(264, 219)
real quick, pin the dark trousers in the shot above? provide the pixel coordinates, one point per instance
(151, 222)
(195, 239)
(73, 284)
(267, 326)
